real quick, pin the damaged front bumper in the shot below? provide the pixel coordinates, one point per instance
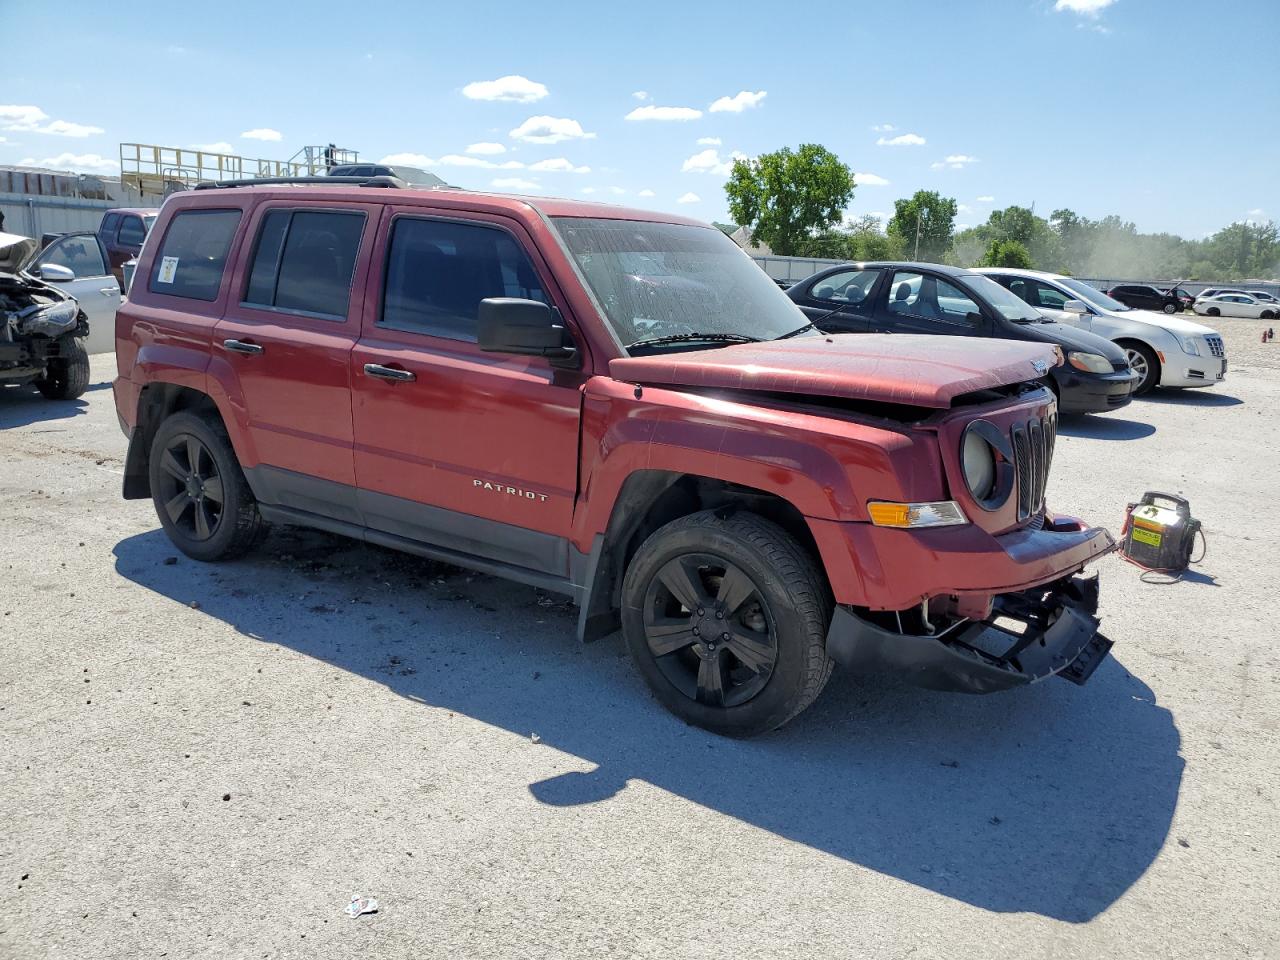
(1030, 635)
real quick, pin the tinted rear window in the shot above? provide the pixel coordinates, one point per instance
(304, 261)
(194, 254)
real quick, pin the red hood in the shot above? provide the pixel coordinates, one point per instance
(920, 371)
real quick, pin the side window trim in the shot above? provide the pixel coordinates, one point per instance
(963, 324)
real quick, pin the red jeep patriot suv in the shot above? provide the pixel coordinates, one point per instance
(613, 404)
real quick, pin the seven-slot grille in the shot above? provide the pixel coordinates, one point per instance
(1215, 345)
(1032, 455)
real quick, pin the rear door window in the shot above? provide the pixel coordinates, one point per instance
(193, 254)
(304, 260)
(438, 272)
(131, 232)
(110, 223)
(849, 289)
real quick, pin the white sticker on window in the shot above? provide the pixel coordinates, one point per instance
(168, 269)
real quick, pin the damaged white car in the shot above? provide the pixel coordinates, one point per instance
(42, 329)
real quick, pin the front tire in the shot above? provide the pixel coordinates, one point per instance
(1170, 308)
(726, 620)
(1267, 315)
(66, 376)
(1146, 364)
(200, 493)
(1214, 312)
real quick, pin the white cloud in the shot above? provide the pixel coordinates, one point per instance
(690, 198)
(486, 148)
(902, 140)
(31, 119)
(617, 191)
(986, 199)
(650, 112)
(1087, 8)
(964, 208)
(955, 161)
(880, 215)
(550, 130)
(708, 161)
(869, 180)
(220, 147)
(262, 133)
(646, 193)
(588, 190)
(420, 160)
(884, 128)
(513, 88)
(641, 95)
(557, 165)
(65, 128)
(738, 102)
(708, 141)
(514, 183)
(1256, 212)
(91, 162)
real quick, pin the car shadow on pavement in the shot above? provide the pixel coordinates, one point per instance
(1103, 428)
(1198, 397)
(1051, 800)
(21, 405)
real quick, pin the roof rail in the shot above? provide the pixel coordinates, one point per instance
(384, 182)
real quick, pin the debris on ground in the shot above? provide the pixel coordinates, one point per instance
(534, 738)
(360, 905)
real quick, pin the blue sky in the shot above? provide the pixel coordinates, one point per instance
(1166, 112)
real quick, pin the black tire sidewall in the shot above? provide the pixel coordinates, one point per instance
(66, 376)
(222, 542)
(773, 705)
(1153, 369)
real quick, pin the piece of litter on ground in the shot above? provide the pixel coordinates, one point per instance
(359, 905)
(535, 738)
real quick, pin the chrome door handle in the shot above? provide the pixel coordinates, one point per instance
(240, 346)
(108, 291)
(389, 373)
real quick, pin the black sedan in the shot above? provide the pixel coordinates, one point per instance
(1140, 296)
(936, 299)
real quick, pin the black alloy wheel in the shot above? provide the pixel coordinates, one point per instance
(191, 488)
(710, 630)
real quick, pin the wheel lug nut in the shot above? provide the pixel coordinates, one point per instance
(719, 614)
(724, 636)
(701, 612)
(697, 632)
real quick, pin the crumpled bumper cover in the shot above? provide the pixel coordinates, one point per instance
(1038, 633)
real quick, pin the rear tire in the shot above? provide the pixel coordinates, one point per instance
(200, 493)
(1267, 315)
(1214, 312)
(737, 643)
(1145, 363)
(1170, 308)
(66, 376)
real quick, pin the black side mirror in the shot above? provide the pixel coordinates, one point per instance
(525, 327)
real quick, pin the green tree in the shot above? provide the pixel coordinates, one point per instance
(1006, 253)
(1021, 225)
(923, 224)
(787, 197)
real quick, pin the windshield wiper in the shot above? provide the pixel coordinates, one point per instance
(813, 324)
(687, 337)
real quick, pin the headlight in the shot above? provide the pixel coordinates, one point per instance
(53, 321)
(979, 463)
(1189, 345)
(1089, 362)
(944, 513)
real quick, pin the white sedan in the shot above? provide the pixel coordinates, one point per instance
(1235, 305)
(1165, 351)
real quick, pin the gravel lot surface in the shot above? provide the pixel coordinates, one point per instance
(209, 761)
